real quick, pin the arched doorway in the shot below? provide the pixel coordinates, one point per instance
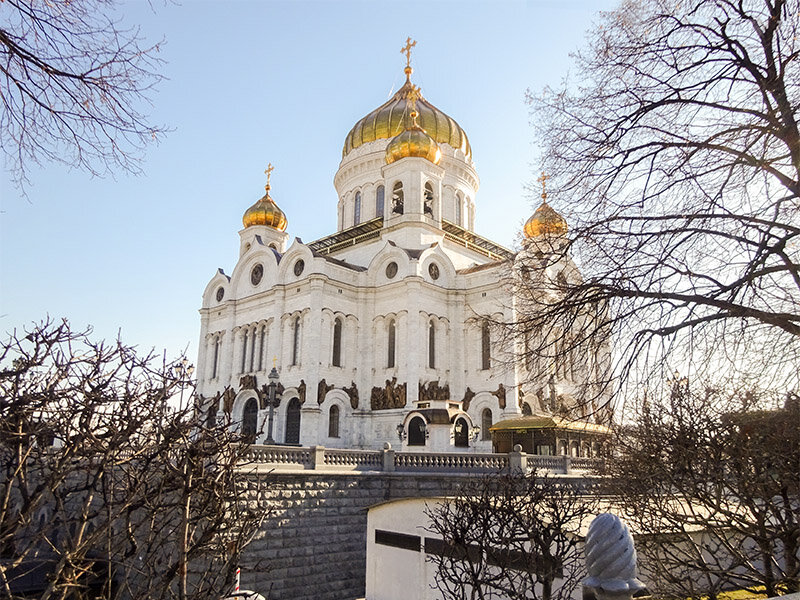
(293, 422)
(416, 432)
(461, 433)
(250, 421)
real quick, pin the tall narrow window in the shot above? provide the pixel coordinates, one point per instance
(391, 344)
(357, 209)
(486, 424)
(215, 364)
(428, 199)
(261, 349)
(380, 196)
(337, 343)
(296, 341)
(244, 352)
(333, 422)
(397, 198)
(459, 218)
(252, 350)
(485, 346)
(431, 346)
(292, 435)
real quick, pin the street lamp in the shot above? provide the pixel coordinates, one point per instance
(272, 388)
(401, 432)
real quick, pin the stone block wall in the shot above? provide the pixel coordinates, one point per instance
(312, 546)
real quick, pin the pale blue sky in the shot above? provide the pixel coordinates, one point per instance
(282, 82)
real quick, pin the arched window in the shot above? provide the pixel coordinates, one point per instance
(416, 432)
(392, 334)
(485, 346)
(250, 421)
(380, 195)
(262, 347)
(215, 363)
(486, 424)
(293, 422)
(562, 447)
(431, 345)
(397, 198)
(461, 433)
(244, 352)
(252, 350)
(337, 343)
(428, 199)
(470, 218)
(357, 209)
(333, 422)
(459, 202)
(296, 341)
(576, 449)
(526, 410)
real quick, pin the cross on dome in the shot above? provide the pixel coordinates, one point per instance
(268, 173)
(543, 180)
(407, 51)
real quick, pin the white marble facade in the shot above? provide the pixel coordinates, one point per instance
(381, 324)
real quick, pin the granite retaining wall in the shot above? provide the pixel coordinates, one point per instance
(312, 546)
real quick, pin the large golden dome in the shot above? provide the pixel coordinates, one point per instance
(394, 117)
(265, 212)
(545, 220)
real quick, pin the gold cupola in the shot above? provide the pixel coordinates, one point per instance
(394, 117)
(545, 220)
(413, 142)
(265, 211)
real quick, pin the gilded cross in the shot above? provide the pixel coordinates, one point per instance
(274, 361)
(543, 180)
(407, 50)
(268, 171)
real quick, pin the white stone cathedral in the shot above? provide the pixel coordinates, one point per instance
(381, 331)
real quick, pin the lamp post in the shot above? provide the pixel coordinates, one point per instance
(273, 386)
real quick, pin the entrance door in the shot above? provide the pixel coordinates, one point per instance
(293, 422)
(461, 433)
(250, 421)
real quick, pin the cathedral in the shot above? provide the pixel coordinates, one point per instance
(384, 331)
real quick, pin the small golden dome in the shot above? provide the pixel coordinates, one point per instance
(265, 212)
(413, 142)
(394, 117)
(545, 221)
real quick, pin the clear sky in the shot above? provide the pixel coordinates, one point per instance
(282, 82)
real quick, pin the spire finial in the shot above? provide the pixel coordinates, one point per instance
(413, 96)
(543, 180)
(268, 173)
(407, 51)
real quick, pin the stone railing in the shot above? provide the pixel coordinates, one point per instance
(319, 458)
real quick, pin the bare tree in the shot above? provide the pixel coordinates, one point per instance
(111, 479)
(74, 85)
(676, 160)
(510, 537)
(711, 483)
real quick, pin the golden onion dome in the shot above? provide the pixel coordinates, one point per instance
(394, 117)
(265, 212)
(544, 221)
(414, 142)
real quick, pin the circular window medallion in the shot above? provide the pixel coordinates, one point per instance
(256, 274)
(298, 267)
(433, 271)
(220, 294)
(391, 270)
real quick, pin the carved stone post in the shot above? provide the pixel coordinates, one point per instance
(517, 460)
(388, 457)
(611, 559)
(317, 457)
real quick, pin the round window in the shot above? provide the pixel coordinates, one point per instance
(391, 270)
(220, 294)
(433, 271)
(298, 267)
(256, 274)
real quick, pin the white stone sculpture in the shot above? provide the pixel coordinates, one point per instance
(611, 559)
